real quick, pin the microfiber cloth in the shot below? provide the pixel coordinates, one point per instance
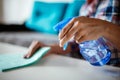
(10, 61)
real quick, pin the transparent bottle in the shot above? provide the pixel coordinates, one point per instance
(96, 52)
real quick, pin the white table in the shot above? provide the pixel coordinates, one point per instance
(57, 67)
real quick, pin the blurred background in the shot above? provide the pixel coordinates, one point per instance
(15, 11)
(22, 21)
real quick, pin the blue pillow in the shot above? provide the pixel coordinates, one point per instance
(45, 16)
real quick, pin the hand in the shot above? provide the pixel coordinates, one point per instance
(82, 29)
(33, 48)
(55, 49)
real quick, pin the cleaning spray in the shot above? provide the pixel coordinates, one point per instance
(96, 52)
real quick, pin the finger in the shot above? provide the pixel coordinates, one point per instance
(28, 55)
(67, 28)
(82, 39)
(70, 34)
(25, 56)
(77, 36)
(86, 37)
(32, 49)
(80, 32)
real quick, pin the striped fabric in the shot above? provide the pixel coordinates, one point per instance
(103, 9)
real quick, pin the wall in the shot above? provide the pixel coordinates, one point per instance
(1, 11)
(17, 11)
(14, 11)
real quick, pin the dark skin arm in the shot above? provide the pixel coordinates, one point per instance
(55, 49)
(81, 29)
(113, 35)
(84, 29)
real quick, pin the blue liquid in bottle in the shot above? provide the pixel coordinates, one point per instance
(96, 52)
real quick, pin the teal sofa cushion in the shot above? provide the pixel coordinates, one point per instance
(73, 9)
(45, 15)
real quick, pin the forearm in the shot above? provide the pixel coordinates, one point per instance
(56, 49)
(112, 34)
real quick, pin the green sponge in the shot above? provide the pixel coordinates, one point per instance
(16, 60)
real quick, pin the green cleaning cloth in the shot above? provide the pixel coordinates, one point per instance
(16, 60)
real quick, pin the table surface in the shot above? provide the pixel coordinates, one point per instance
(56, 67)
